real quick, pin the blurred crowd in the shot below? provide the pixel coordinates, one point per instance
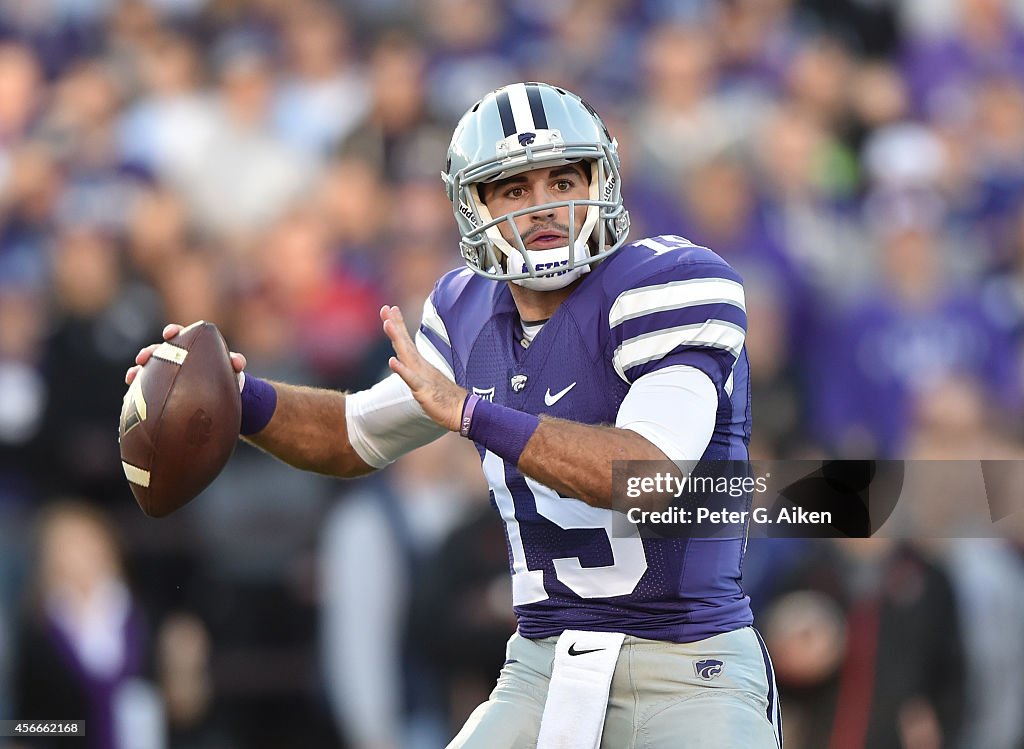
(272, 166)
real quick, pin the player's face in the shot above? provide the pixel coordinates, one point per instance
(549, 227)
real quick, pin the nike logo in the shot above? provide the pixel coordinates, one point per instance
(572, 648)
(550, 400)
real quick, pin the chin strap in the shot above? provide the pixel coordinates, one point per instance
(551, 258)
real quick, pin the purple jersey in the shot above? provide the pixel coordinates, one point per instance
(656, 303)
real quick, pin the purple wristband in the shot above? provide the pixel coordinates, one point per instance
(468, 406)
(504, 431)
(259, 399)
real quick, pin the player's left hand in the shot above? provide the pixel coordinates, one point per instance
(441, 398)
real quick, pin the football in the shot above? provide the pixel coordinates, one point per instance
(180, 420)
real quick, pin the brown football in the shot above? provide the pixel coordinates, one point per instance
(180, 420)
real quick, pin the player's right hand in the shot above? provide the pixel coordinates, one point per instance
(171, 330)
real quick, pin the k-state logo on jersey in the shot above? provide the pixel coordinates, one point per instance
(487, 394)
(518, 382)
(708, 668)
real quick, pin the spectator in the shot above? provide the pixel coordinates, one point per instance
(27, 201)
(243, 178)
(186, 683)
(818, 81)
(917, 329)
(19, 97)
(460, 618)
(721, 208)
(591, 47)
(170, 120)
(953, 419)
(57, 32)
(774, 381)
(99, 188)
(988, 576)
(22, 389)
(806, 202)
(673, 120)
(401, 135)
(870, 28)
(878, 97)
(93, 320)
(373, 550)
(465, 40)
(755, 40)
(83, 643)
(324, 94)
(981, 38)
(330, 310)
(1002, 293)
(867, 650)
(157, 233)
(356, 205)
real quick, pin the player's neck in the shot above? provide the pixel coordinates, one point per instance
(539, 305)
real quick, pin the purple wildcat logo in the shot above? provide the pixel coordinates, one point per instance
(527, 139)
(708, 668)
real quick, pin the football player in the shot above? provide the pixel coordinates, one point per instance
(561, 348)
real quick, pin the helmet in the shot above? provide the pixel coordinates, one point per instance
(512, 130)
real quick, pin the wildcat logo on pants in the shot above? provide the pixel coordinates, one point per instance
(708, 668)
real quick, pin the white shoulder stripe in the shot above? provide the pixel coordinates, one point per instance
(520, 107)
(675, 295)
(649, 346)
(433, 320)
(429, 352)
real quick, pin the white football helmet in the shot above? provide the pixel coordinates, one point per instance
(527, 126)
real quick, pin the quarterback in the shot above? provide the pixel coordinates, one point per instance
(561, 348)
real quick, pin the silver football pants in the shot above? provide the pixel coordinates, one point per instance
(717, 693)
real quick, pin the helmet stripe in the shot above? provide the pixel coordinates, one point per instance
(540, 120)
(520, 108)
(508, 123)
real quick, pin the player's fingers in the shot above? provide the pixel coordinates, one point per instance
(395, 330)
(131, 374)
(238, 361)
(398, 367)
(143, 356)
(392, 331)
(401, 343)
(399, 335)
(171, 330)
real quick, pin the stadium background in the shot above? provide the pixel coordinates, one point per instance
(273, 166)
